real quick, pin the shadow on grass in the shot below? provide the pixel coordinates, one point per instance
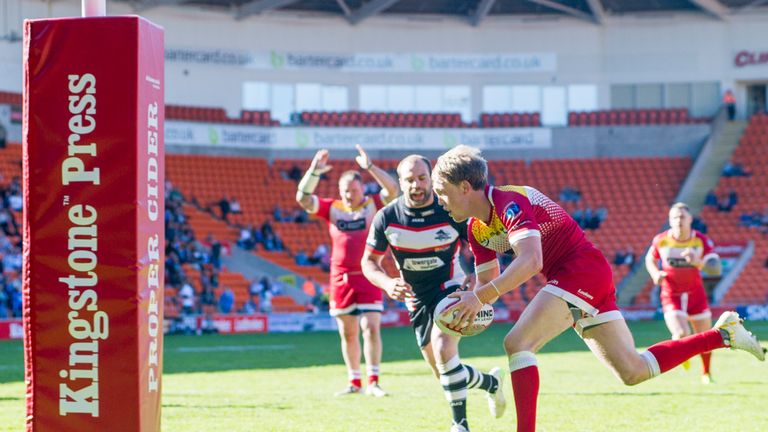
(216, 353)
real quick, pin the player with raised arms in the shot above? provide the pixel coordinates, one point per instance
(426, 245)
(579, 292)
(683, 252)
(354, 302)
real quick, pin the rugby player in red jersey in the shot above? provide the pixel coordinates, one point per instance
(579, 291)
(354, 301)
(682, 252)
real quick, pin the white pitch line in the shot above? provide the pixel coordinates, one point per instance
(218, 348)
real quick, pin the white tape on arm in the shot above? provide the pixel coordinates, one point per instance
(309, 182)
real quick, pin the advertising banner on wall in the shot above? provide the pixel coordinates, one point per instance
(485, 63)
(243, 136)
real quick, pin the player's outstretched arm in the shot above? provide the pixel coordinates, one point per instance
(305, 193)
(388, 184)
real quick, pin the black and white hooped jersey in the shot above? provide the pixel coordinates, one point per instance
(425, 243)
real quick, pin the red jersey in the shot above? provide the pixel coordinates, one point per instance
(349, 230)
(681, 276)
(518, 212)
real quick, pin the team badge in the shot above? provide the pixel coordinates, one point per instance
(512, 210)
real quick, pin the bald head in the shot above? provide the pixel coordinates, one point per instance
(413, 173)
(410, 161)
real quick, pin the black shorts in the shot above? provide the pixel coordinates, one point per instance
(422, 316)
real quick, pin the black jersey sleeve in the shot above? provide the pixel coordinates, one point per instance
(377, 239)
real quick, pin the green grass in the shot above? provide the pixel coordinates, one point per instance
(284, 382)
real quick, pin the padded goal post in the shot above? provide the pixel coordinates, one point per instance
(93, 223)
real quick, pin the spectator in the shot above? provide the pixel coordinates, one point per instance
(732, 169)
(699, 225)
(187, 294)
(619, 258)
(711, 199)
(295, 173)
(3, 135)
(578, 216)
(277, 214)
(256, 287)
(225, 208)
(320, 255)
(729, 100)
(266, 229)
(246, 238)
(234, 206)
(251, 306)
(629, 258)
(226, 300)
(301, 258)
(570, 194)
(729, 201)
(265, 302)
(300, 216)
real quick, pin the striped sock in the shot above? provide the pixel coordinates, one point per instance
(483, 381)
(373, 373)
(453, 378)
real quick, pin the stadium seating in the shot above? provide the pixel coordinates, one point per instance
(632, 117)
(503, 120)
(752, 153)
(381, 119)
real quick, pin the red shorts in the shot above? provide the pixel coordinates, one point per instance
(352, 294)
(585, 280)
(692, 304)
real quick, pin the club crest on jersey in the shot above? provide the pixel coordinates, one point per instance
(441, 235)
(512, 210)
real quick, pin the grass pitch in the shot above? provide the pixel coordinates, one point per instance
(285, 382)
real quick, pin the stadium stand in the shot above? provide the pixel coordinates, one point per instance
(633, 117)
(633, 207)
(752, 153)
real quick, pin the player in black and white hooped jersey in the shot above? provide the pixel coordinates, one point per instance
(426, 244)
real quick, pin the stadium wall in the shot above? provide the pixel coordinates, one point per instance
(646, 48)
(566, 143)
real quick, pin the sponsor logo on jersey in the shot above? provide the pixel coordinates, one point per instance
(512, 210)
(352, 225)
(587, 295)
(422, 264)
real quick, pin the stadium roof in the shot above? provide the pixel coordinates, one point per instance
(472, 11)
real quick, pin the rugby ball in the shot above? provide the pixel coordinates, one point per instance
(483, 319)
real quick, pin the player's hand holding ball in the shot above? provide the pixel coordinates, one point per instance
(462, 314)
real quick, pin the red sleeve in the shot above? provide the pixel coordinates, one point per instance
(516, 213)
(708, 246)
(485, 258)
(324, 208)
(655, 248)
(377, 201)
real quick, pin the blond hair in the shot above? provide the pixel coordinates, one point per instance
(681, 206)
(350, 175)
(462, 163)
